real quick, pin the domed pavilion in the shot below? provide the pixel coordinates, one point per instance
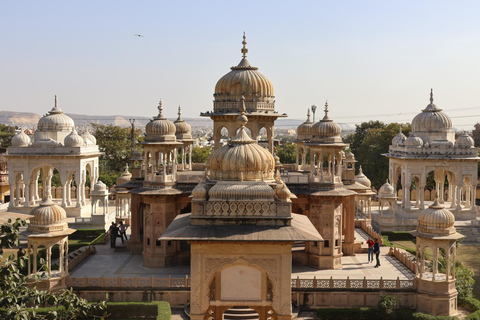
(436, 290)
(56, 145)
(241, 230)
(47, 229)
(244, 80)
(431, 150)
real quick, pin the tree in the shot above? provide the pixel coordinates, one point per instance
(6, 135)
(286, 153)
(201, 154)
(368, 143)
(20, 300)
(115, 142)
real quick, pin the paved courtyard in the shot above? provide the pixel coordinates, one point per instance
(112, 264)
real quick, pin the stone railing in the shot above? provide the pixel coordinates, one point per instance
(85, 252)
(298, 179)
(190, 178)
(404, 257)
(128, 283)
(367, 227)
(177, 283)
(352, 284)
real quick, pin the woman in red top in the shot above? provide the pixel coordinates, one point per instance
(370, 243)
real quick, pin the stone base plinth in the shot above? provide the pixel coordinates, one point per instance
(438, 298)
(324, 262)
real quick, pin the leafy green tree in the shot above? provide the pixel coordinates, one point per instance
(201, 154)
(6, 135)
(368, 143)
(19, 300)
(115, 142)
(286, 153)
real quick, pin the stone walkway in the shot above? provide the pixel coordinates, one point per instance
(112, 264)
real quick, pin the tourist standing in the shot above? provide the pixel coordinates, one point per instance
(123, 229)
(376, 250)
(370, 244)
(113, 235)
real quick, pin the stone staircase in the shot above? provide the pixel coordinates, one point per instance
(240, 313)
(470, 231)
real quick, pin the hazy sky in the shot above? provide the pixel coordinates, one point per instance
(369, 59)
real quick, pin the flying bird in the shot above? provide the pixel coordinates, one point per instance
(138, 35)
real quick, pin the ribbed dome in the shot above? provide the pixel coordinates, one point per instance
(362, 179)
(136, 156)
(432, 119)
(99, 188)
(73, 140)
(399, 138)
(182, 129)
(464, 141)
(200, 191)
(326, 127)
(244, 80)
(21, 139)
(386, 191)
(246, 191)
(436, 220)
(242, 158)
(89, 138)
(48, 217)
(413, 141)
(160, 126)
(56, 120)
(124, 177)
(350, 156)
(306, 128)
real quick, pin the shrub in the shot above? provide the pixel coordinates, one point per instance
(471, 304)
(387, 304)
(473, 316)
(464, 282)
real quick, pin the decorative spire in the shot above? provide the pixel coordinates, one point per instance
(179, 112)
(400, 129)
(160, 109)
(308, 115)
(431, 96)
(360, 171)
(326, 108)
(244, 49)
(56, 102)
(242, 119)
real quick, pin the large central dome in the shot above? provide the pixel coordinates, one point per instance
(244, 80)
(242, 159)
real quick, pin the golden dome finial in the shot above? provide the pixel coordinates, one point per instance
(431, 96)
(326, 108)
(244, 49)
(160, 109)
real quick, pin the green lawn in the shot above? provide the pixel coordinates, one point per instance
(470, 257)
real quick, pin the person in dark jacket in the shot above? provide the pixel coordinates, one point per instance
(113, 235)
(376, 250)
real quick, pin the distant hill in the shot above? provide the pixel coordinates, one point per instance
(30, 120)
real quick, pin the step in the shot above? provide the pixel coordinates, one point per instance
(240, 313)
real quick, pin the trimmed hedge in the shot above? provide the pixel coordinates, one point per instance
(361, 314)
(387, 243)
(86, 234)
(471, 304)
(159, 310)
(398, 235)
(371, 313)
